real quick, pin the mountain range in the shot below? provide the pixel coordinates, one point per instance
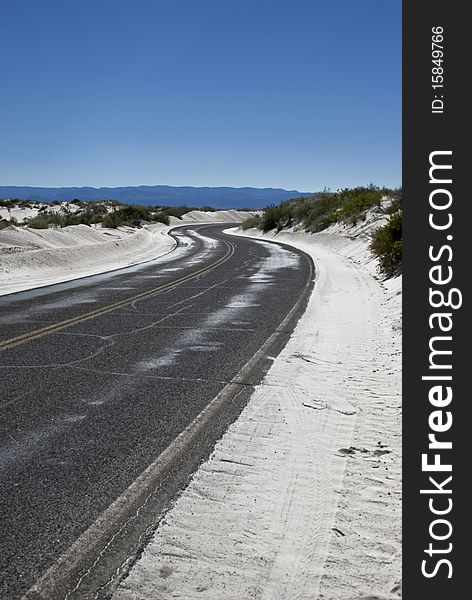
(217, 197)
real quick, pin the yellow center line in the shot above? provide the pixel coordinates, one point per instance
(39, 333)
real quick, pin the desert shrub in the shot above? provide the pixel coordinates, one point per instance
(358, 202)
(65, 219)
(319, 223)
(396, 202)
(277, 217)
(4, 223)
(112, 220)
(208, 209)
(82, 218)
(271, 217)
(94, 218)
(91, 213)
(313, 212)
(134, 214)
(301, 209)
(96, 208)
(176, 211)
(160, 217)
(131, 215)
(386, 244)
(43, 220)
(14, 202)
(319, 211)
(251, 222)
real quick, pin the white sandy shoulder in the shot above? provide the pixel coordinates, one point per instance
(36, 257)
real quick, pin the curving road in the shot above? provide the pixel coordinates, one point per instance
(116, 387)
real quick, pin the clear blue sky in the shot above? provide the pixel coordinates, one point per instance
(298, 94)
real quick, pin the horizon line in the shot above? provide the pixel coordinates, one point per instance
(143, 185)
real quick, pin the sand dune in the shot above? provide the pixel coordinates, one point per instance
(220, 216)
(36, 257)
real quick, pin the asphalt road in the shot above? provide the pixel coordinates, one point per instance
(99, 376)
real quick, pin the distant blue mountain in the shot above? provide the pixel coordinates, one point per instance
(218, 197)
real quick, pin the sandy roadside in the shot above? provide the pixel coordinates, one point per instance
(301, 497)
(33, 258)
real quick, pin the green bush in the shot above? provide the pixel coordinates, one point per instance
(133, 214)
(386, 244)
(319, 211)
(270, 218)
(4, 223)
(276, 217)
(358, 203)
(112, 220)
(396, 203)
(251, 222)
(318, 214)
(43, 220)
(96, 208)
(176, 211)
(91, 213)
(93, 218)
(160, 217)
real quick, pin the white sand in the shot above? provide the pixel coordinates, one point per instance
(32, 258)
(18, 213)
(21, 213)
(301, 497)
(220, 216)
